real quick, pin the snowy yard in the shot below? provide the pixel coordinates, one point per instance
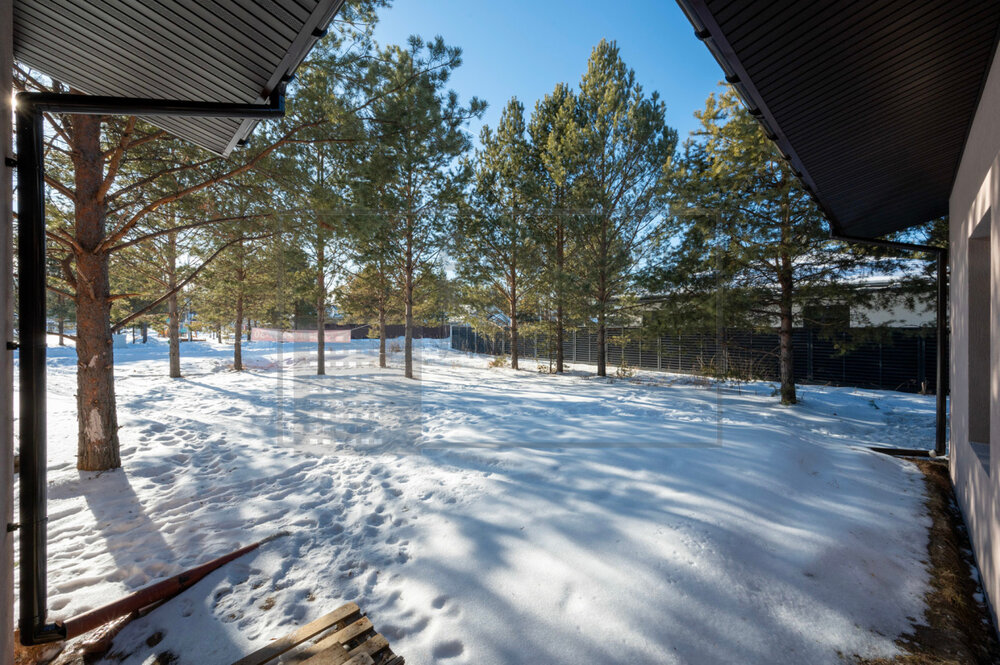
(657, 521)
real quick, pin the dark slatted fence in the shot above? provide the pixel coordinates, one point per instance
(900, 359)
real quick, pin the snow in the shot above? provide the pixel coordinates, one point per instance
(490, 515)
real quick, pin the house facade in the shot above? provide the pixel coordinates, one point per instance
(975, 329)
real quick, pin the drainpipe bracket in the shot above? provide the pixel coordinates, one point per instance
(12, 526)
(10, 162)
(13, 346)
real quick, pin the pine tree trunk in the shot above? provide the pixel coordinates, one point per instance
(218, 333)
(602, 367)
(238, 348)
(560, 261)
(173, 316)
(513, 329)
(145, 331)
(602, 304)
(560, 337)
(602, 300)
(174, 337)
(408, 335)
(786, 357)
(408, 305)
(97, 418)
(248, 330)
(381, 336)
(320, 308)
(62, 331)
(240, 279)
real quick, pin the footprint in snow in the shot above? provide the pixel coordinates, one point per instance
(449, 649)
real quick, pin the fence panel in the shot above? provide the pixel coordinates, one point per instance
(901, 359)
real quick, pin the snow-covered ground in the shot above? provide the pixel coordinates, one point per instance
(492, 516)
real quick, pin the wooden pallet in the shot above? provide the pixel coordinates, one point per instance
(342, 637)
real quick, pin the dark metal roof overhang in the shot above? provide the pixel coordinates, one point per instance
(871, 102)
(228, 51)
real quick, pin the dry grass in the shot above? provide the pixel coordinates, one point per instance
(956, 628)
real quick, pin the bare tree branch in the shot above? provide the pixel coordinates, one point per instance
(116, 237)
(55, 289)
(156, 176)
(187, 280)
(61, 188)
(115, 161)
(122, 296)
(183, 227)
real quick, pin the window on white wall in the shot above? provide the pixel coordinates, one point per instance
(980, 320)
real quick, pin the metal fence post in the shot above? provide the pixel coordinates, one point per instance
(921, 361)
(880, 364)
(843, 361)
(809, 354)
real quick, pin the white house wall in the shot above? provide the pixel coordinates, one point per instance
(975, 194)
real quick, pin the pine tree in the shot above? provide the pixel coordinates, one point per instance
(555, 142)
(626, 148)
(260, 269)
(61, 308)
(495, 245)
(748, 246)
(372, 297)
(104, 171)
(315, 172)
(413, 177)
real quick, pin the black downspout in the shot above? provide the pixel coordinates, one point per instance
(941, 410)
(31, 281)
(941, 384)
(31, 371)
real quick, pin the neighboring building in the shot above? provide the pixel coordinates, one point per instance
(890, 114)
(889, 306)
(893, 309)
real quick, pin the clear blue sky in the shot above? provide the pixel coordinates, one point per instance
(524, 47)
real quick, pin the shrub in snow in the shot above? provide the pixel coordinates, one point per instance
(625, 371)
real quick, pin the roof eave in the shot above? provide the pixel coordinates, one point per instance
(707, 29)
(311, 32)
